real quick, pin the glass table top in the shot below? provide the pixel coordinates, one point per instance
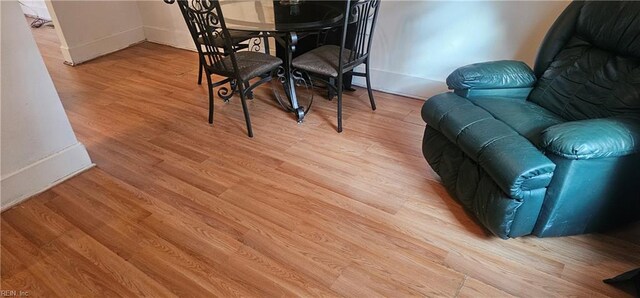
(282, 15)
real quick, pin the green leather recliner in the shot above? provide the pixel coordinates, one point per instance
(551, 151)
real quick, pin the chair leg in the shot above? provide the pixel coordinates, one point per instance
(200, 67)
(330, 92)
(210, 85)
(368, 77)
(245, 109)
(250, 93)
(339, 91)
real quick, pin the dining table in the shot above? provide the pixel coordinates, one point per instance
(286, 21)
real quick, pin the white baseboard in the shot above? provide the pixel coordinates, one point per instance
(38, 15)
(87, 51)
(401, 84)
(180, 39)
(173, 38)
(43, 174)
(381, 80)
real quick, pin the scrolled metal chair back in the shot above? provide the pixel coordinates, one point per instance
(206, 24)
(364, 14)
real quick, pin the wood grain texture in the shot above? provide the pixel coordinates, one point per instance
(177, 207)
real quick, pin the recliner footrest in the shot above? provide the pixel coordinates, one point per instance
(477, 191)
(514, 163)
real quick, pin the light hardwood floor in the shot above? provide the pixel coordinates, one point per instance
(176, 207)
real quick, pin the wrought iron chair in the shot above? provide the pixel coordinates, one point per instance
(334, 61)
(205, 17)
(237, 38)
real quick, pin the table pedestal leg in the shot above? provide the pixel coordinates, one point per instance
(290, 89)
(290, 79)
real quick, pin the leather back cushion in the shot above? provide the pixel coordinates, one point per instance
(597, 72)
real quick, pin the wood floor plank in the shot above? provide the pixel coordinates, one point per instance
(25, 251)
(82, 270)
(10, 264)
(121, 205)
(178, 207)
(363, 283)
(113, 266)
(80, 209)
(513, 277)
(303, 256)
(26, 282)
(267, 270)
(58, 272)
(35, 222)
(473, 288)
(327, 177)
(196, 276)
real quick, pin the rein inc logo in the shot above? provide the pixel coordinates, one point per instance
(13, 293)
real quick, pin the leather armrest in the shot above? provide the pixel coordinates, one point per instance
(593, 138)
(516, 165)
(489, 78)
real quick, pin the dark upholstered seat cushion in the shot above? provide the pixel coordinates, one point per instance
(250, 64)
(236, 36)
(525, 117)
(322, 60)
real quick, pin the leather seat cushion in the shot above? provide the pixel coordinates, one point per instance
(525, 117)
(250, 64)
(322, 60)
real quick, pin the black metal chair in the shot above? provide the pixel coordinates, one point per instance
(206, 23)
(334, 61)
(237, 39)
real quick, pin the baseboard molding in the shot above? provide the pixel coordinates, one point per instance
(43, 174)
(100, 47)
(38, 15)
(179, 39)
(172, 38)
(381, 80)
(402, 84)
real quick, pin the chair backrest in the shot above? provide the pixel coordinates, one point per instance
(207, 27)
(363, 13)
(589, 63)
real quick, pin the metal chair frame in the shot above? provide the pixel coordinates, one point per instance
(364, 13)
(204, 20)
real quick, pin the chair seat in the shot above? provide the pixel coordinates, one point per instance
(236, 35)
(322, 60)
(250, 64)
(525, 117)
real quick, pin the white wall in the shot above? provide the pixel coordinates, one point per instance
(89, 29)
(37, 146)
(36, 8)
(164, 24)
(417, 43)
